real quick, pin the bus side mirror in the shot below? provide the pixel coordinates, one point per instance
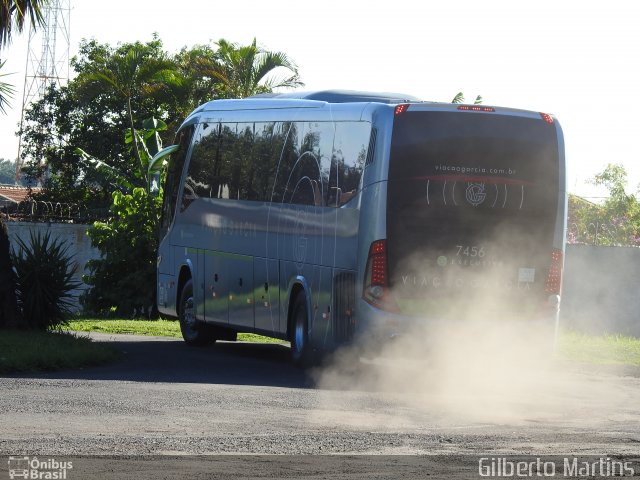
(156, 164)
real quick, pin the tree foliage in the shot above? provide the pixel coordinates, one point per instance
(15, 13)
(459, 98)
(7, 171)
(129, 76)
(6, 91)
(123, 280)
(247, 70)
(136, 91)
(86, 116)
(615, 222)
(13, 16)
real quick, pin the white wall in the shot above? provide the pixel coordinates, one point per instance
(600, 291)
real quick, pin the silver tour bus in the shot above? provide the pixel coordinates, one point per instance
(328, 217)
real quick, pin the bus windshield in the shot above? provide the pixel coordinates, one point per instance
(472, 204)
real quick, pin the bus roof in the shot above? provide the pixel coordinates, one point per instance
(322, 98)
(345, 96)
(306, 99)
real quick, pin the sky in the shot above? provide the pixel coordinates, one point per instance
(577, 60)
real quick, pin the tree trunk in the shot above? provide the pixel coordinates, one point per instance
(8, 302)
(135, 146)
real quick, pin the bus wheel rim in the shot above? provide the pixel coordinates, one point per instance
(189, 317)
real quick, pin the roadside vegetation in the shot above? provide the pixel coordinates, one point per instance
(156, 328)
(32, 350)
(599, 349)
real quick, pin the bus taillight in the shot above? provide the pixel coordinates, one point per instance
(546, 117)
(554, 278)
(376, 280)
(401, 108)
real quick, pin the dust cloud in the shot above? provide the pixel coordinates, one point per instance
(485, 358)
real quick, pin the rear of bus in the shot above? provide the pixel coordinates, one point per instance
(475, 219)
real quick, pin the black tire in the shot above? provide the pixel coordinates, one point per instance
(193, 332)
(301, 351)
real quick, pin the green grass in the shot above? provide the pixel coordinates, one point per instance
(573, 346)
(32, 350)
(599, 349)
(156, 328)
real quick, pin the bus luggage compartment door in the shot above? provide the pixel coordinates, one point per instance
(267, 294)
(240, 274)
(216, 287)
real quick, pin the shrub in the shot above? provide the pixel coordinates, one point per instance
(8, 303)
(45, 281)
(123, 280)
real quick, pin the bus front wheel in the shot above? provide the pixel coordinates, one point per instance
(193, 331)
(301, 353)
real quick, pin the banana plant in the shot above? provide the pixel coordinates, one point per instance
(149, 144)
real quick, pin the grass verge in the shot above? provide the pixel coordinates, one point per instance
(156, 328)
(573, 346)
(29, 350)
(599, 349)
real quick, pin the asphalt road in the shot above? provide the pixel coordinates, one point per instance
(166, 398)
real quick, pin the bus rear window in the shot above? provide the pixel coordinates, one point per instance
(470, 195)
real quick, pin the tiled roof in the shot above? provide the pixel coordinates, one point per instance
(15, 194)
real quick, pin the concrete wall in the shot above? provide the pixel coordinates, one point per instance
(76, 237)
(601, 291)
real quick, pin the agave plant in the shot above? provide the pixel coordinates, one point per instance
(45, 280)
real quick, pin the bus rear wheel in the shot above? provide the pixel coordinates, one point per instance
(193, 331)
(301, 352)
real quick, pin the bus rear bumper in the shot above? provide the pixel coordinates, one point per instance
(376, 326)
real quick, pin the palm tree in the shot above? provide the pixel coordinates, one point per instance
(459, 98)
(242, 71)
(6, 91)
(14, 13)
(130, 75)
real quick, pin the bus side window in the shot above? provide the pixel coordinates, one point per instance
(199, 181)
(349, 155)
(243, 174)
(268, 141)
(174, 173)
(304, 165)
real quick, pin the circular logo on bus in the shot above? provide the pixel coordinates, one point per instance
(476, 194)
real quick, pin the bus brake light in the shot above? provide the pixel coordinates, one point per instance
(554, 278)
(376, 281)
(476, 108)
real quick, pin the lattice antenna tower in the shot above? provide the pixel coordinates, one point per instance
(47, 58)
